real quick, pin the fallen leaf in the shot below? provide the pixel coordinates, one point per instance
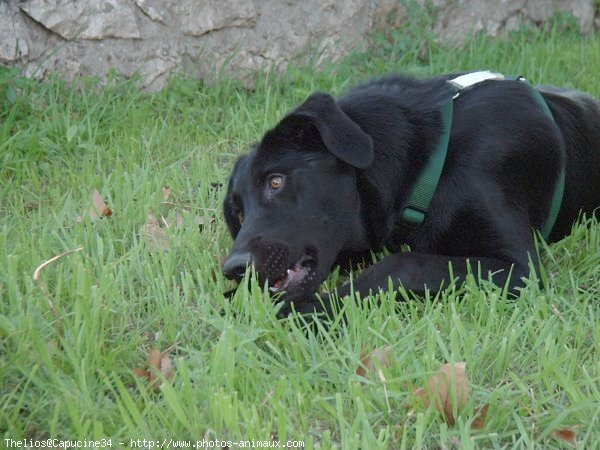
(565, 434)
(446, 389)
(159, 362)
(383, 356)
(154, 359)
(166, 368)
(155, 234)
(141, 373)
(99, 208)
(480, 418)
(180, 216)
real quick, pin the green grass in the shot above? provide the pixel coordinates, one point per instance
(239, 372)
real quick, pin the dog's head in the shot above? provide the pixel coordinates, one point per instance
(292, 204)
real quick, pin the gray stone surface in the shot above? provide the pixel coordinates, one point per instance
(200, 17)
(153, 9)
(461, 18)
(13, 35)
(89, 19)
(155, 38)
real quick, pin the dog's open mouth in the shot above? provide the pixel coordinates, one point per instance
(301, 272)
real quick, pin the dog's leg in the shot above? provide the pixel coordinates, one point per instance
(320, 304)
(418, 272)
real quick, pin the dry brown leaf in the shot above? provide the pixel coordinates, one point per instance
(159, 362)
(447, 386)
(166, 368)
(155, 230)
(154, 361)
(565, 434)
(381, 357)
(480, 418)
(141, 373)
(99, 208)
(156, 235)
(180, 219)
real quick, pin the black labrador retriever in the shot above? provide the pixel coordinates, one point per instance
(334, 179)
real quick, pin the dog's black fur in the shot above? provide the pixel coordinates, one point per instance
(347, 168)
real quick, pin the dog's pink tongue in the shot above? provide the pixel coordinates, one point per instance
(292, 276)
(296, 274)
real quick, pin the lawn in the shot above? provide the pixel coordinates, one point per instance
(75, 343)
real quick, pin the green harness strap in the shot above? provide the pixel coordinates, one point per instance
(559, 189)
(418, 203)
(415, 210)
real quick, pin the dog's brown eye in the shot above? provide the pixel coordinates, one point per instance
(275, 182)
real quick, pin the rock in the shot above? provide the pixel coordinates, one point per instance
(153, 10)
(13, 35)
(200, 17)
(459, 19)
(208, 38)
(81, 19)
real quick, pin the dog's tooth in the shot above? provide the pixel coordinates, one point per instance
(273, 289)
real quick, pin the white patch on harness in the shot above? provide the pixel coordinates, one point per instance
(469, 79)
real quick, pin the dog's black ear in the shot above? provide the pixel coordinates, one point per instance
(342, 137)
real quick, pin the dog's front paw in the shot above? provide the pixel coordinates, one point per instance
(314, 304)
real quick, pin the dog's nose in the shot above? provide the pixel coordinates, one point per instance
(234, 267)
